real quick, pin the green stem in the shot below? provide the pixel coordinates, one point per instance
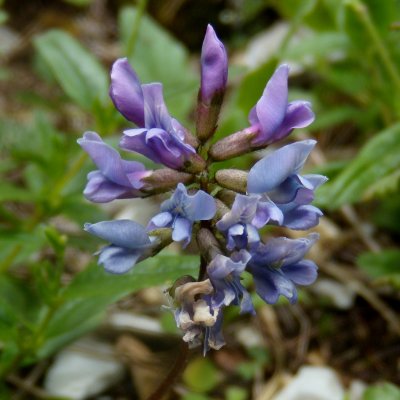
(363, 14)
(74, 169)
(130, 46)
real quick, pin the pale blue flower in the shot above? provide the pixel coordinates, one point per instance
(279, 265)
(276, 177)
(181, 211)
(130, 243)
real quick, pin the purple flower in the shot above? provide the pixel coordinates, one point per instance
(248, 214)
(197, 317)
(115, 178)
(181, 211)
(273, 115)
(126, 92)
(276, 176)
(224, 274)
(214, 74)
(158, 136)
(278, 265)
(129, 240)
(214, 67)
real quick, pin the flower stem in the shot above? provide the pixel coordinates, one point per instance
(173, 375)
(130, 46)
(363, 14)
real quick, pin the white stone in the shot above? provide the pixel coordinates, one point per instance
(313, 383)
(135, 322)
(341, 296)
(86, 368)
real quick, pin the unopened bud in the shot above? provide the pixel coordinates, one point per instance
(194, 164)
(162, 180)
(233, 179)
(207, 116)
(234, 145)
(222, 209)
(190, 139)
(227, 196)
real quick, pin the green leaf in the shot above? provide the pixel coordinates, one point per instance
(9, 192)
(163, 268)
(387, 213)
(384, 266)
(201, 375)
(85, 300)
(19, 308)
(72, 320)
(235, 393)
(157, 56)
(318, 45)
(78, 72)
(3, 17)
(383, 391)
(79, 3)
(377, 160)
(252, 85)
(24, 244)
(381, 13)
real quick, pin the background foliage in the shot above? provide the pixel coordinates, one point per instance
(347, 57)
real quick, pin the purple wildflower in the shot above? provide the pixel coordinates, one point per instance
(159, 137)
(181, 211)
(278, 265)
(115, 178)
(274, 117)
(248, 214)
(224, 274)
(214, 67)
(196, 316)
(129, 240)
(277, 178)
(214, 74)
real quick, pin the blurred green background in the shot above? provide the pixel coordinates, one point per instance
(55, 57)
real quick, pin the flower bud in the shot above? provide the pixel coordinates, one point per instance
(234, 145)
(214, 74)
(194, 164)
(227, 197)
(162, 180)
(222, 209)
(233, 179)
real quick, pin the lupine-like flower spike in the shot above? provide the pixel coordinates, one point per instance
(225, 211)
(214, 74)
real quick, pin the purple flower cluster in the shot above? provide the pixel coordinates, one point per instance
(223, 213)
